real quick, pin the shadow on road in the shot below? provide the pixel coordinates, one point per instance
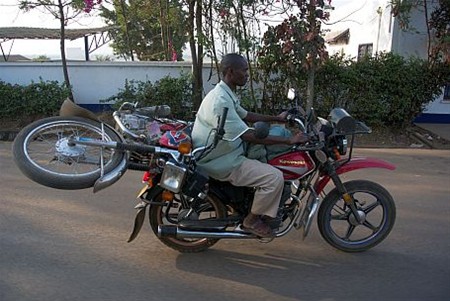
(312, 276)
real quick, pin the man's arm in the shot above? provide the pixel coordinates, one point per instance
(249, 136)
(254, 117)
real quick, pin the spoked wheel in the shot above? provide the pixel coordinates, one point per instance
(43, 152)
(339, 227)
(171, 213)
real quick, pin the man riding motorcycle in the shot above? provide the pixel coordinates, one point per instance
(227, 161)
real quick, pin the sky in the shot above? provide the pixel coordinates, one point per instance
(12, 16)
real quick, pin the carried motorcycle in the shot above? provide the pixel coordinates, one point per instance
(189, 211)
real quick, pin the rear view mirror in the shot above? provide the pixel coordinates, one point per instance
(291, 94)
(342, 122)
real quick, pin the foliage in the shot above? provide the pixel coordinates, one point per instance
(65, 11)
(150, 29)
(42, 58)
(103, 58)
(295, 47)
(437, 22)
(174, 92)
(385, 90)
(36, 99)
(440, 22)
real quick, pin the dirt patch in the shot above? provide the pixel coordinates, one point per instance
(411, 137)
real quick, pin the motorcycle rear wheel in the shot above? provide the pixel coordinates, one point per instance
(339, 227)
(43, 153)
(159, 215)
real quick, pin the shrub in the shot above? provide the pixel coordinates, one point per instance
(174, 92)
(43, 98)
(386, 90)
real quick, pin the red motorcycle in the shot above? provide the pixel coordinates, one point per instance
(190, 212)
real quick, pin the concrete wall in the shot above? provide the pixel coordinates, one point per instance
(94, 81)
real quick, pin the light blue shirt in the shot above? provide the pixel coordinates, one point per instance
(227, 155)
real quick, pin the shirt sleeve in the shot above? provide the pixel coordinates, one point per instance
(241, 111)
(234, 125)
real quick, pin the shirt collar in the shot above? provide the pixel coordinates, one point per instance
(227, 89)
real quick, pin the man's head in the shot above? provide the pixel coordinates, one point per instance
(234, 69)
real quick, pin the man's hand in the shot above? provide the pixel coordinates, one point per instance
(299, 138)
(283, 116)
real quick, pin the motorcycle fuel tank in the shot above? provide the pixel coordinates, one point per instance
(294, 165)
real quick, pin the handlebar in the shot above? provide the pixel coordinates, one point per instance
(220, 129)
(123, 128)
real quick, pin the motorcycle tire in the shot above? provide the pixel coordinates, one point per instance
(42, 152)
(159, 215)
(339, 227)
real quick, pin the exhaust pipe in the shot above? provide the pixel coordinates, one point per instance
(175, 231)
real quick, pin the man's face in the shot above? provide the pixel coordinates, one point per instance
(240, 73)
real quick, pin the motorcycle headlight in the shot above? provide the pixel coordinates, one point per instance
(172, 177)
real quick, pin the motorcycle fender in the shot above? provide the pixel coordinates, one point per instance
(111, 177)
(140, 215)
(138, 222)
(354, 164)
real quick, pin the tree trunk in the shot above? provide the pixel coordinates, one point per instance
(195, 27)
(164, 37)
(310, 91)
(63, 48)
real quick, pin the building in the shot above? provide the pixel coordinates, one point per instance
(366, 27)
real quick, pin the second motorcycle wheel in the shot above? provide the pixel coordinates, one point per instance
(171, 212)
(43, 153)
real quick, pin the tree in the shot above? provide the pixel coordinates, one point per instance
(295, 48)
(65, 11)
(440, 24)
(437, 19)
(149, 23)
(148, 29)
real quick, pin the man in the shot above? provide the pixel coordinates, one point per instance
(227, 162)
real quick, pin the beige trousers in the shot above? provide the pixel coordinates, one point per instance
(268, 181)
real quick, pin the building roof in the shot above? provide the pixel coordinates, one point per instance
(338, 37)
(14, 58)
(8, 33)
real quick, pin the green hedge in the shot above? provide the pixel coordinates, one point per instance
(42, 98)
(387, 90)
(174, 92)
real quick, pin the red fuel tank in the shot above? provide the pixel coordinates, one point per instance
(294, 165)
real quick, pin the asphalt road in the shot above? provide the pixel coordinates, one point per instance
(71, 245)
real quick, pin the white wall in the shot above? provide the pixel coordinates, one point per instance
(366, 25)
(93, 81)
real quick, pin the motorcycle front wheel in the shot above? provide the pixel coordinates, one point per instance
(43, 153)
(339, 227)
(170, 213)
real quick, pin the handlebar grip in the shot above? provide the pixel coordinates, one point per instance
(223, 118)
(220, 129)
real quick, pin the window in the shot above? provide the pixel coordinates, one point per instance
(447, 92)
(365, 50)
